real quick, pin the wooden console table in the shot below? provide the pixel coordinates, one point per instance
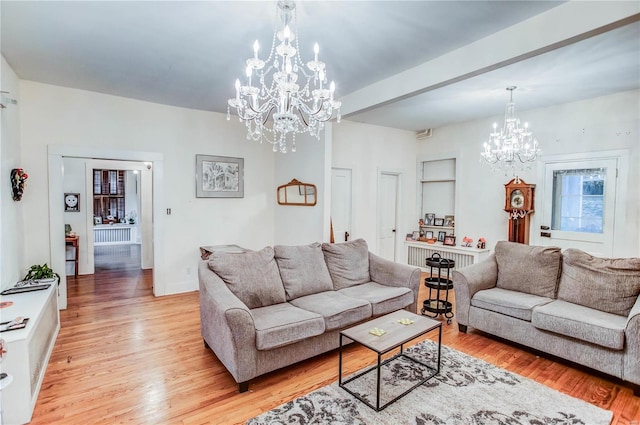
(73, 241)
(205, 251)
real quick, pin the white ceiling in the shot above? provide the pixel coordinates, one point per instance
(188, 54)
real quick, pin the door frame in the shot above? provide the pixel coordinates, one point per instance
(621, 245)
(55, 153)
(399, 195)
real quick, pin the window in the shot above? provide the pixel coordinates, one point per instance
(579, 200)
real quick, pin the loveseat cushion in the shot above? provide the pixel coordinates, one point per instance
(531, 269)
(583, 323)
(510, 303)
(607, 284)
(348, 263)
(336, 309)
(303, 270)
(252, 276)
(383, 299)
(282, 324)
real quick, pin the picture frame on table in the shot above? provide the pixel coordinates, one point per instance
(438, 221)
(428, 234)
(219, 177)
(449, 240)
(416, 235)
(409, 237)
(449, 221)
(441, 235)
(428, 219)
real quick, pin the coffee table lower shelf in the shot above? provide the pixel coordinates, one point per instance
(381, 347)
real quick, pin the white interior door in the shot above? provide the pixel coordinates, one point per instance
(341, 203)
(387, 212)
(578, 208)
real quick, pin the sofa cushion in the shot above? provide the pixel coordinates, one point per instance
(348, 263)
(583, 323)
(282, 324)
(511, 303)
(303, 270)
(337, 310)
(531, 269)
(252, 276)
(383, 299)
(606, 284)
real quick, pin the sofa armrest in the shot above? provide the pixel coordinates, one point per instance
(226, 325)
(390, 273)
(468, 281)
(632, 341)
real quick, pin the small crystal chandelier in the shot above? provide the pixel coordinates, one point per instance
(272, 89)
(513, 147)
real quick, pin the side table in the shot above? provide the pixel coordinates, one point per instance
(73, 241)
(206, 251)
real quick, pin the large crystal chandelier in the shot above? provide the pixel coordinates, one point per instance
(272, 90)
(513, 147)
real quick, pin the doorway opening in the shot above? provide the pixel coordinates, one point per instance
(150, 221)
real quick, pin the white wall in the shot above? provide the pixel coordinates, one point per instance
(367, 150)
(298, 225)
(53, 115)
(605, 123)
(12, 243)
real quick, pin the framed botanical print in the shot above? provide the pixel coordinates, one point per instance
(219, 177)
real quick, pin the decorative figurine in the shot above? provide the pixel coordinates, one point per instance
(481, 243)
(467, 242)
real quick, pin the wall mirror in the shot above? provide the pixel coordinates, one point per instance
(297, 193)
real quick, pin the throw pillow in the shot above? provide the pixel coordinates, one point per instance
(606, 284)
(348, 263)
(303, 270)
(530, 269)
(252, 276)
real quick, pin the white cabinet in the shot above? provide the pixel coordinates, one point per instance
(28, 350)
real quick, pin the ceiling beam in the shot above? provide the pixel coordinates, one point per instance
(558, 27)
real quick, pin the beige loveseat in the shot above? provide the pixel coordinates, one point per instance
(568, 304)
(264, 310)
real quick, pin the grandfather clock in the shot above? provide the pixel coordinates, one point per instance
(519, 204)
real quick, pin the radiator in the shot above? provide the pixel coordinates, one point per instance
(417, 256)
(112, 235)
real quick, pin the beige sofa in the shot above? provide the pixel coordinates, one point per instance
(568, 304)
(264, 310)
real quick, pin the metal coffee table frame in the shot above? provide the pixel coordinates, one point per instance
(381, 347)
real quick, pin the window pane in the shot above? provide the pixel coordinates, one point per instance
(578, 200)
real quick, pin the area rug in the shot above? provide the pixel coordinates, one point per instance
(467, 391)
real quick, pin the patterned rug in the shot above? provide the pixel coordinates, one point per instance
(468, 391)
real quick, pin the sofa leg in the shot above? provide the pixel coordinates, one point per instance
(636, 389)
(462, 328)
(243, 387)
(205, 344)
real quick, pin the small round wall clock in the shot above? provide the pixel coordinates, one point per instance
(72, 202)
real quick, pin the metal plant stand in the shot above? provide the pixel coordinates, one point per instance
(439, 286)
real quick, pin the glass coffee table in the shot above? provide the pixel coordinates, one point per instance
(396, 335)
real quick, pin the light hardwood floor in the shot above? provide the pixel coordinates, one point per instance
(124, 356)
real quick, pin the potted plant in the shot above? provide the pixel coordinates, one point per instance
(36, 272)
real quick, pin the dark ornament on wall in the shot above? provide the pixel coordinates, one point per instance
(18, 180)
